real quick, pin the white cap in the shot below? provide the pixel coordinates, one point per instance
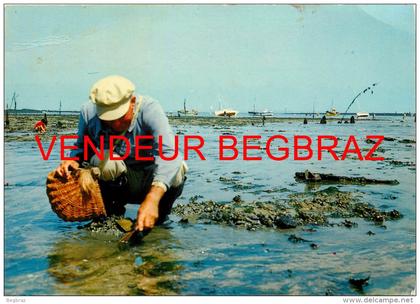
(112, 97)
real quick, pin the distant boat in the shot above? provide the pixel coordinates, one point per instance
(260, 113)
(332, 112)
(186, 112)
(362, 115)
(226, 112)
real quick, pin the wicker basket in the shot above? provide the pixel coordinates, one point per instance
(70, 202)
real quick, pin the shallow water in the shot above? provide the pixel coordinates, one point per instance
(44, 255)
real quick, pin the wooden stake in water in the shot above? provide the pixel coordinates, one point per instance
(7, 116)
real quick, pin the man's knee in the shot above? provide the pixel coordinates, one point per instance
(167, 201)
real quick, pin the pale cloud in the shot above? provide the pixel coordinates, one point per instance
(44, 42)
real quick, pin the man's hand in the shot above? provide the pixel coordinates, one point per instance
(148, 212)
(64, 168)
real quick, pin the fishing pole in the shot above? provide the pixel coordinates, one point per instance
(368, 89)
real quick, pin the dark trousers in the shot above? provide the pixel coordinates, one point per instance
(132, 188)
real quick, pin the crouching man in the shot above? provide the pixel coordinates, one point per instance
(115, 109)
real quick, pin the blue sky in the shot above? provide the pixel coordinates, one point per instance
(281, 57)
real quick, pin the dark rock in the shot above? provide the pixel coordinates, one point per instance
(393, 214)
(389, 138)
(398, 163)
(184, 220)
(314, 246)
(370, 233)
(349, 224)
(390, 197)
(285, 222)
(378, 218)
(407, 141)
(295, 239)
(320, 177)
(359, 282)
(237, 199)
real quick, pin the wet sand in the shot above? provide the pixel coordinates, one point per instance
(322, 234)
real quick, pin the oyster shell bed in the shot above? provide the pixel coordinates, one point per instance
(300, 209)
(113, 225)
(316, 208)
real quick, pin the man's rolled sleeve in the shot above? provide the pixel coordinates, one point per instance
(157, 124)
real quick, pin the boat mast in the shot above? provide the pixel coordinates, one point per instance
(14, 101)
(313, 109)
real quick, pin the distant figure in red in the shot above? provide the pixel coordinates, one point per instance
(41, 125)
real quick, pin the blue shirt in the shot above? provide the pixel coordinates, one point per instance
(149, 120)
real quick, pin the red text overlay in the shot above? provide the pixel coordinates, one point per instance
(247, 147)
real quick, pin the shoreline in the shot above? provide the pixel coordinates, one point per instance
(21, 126)
(25, 123)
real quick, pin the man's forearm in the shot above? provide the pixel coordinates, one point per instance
(155, 194)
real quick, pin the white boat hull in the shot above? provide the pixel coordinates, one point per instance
(362, 115)
(268, 113)
(188, 113)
